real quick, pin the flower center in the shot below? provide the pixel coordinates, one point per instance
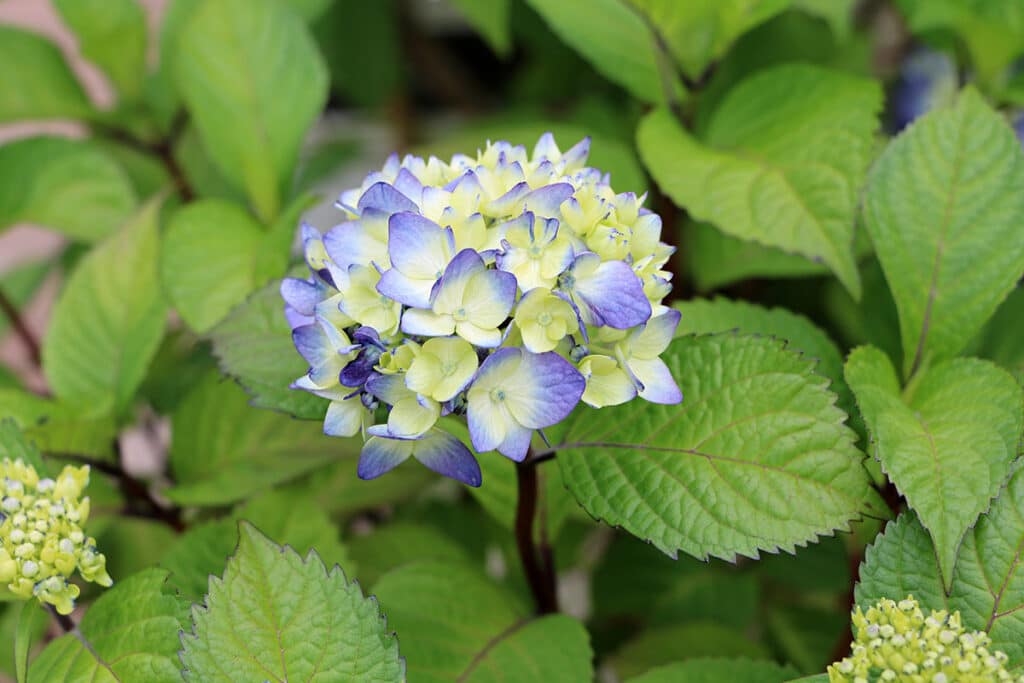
(497, 395)
(544, 319)
(448, 369)
(459, 315)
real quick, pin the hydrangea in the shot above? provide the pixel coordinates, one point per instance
(897, 642)
(505, 288)
(41, 538)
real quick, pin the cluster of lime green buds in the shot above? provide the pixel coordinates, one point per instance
(41, 537)
(897, 642)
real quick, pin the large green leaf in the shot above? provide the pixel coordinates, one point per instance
(56, 427)
(222, 450)
(988, 585)
(69, 185)
(109, 320)
(112, 35)
(100, 651)
(946, 442)
(703, 316)
(716, 671)
(275, 616)
(1001, 339)
(613, 37)
(944, 209)
(698, 32)
(365, 82)
(254, 82)
(756, 457)
(214, 255)
(399, 543)
(36, 82)
(254, 345)
(781, 161)
(14, 445)
(456, 625)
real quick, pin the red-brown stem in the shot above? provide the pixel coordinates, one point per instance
(538, 564)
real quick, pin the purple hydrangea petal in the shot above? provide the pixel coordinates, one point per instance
(611, 295)
(446, 455)
(409, 185)
(344, 417)
(578, 153)
(397, 287)
(418, 246)
(350, 243)
(505, 204)
(422, 323)
(296, 319)
(516, 444)
(381, 455)
(301, 295)
(656, 382)
(548, 389)
(545, 201)
(384, 197)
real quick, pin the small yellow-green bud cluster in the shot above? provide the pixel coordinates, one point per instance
(41, 536)
(897, 642)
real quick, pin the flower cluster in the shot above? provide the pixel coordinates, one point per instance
(41, 537)
(506, 287)
(897, 642)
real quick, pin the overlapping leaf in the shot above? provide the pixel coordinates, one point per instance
(36, 82)
(947, 442)
(756, 457)
(780, 163)
(112, 35)
(944, 211)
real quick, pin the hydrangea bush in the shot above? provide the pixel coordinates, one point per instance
(725, 385)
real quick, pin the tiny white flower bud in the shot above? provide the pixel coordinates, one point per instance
(29, 569)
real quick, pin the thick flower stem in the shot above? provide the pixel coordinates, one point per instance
(63, 619)
(538, 564)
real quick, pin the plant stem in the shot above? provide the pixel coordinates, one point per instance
(21, 329)
(64, 620)
(538, 564)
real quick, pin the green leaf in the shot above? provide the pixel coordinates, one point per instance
(132, 544)
(717, 670)
(946, 443)
(309, 10)
(58, 427)
(699, 32)
(400, 543)
(490, 18)
(781, 161)
(198, 554)
(274, 616)
(21, 283)
(214, 254)
(254, 345)
(100, 650)
(943, 208)
(222, 450)
(988, 585)
(703, 316)
(180, 363)
(612, 37)
(338, 489)
(365, 82)
(68, 185)
(109, 320)
(756, 457)
(11, 616)
(838, 14)
(36, 82)
(23, 639)
(661, 646)
(254, 82)
(112, 35)
(200, 171)
(13, 445)
(456, 625)
(806, 635)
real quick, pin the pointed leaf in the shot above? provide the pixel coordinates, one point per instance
(946, 443)
(755, 458)
(658, 647)
(770, 167)
(944, 208)
(717, 670)
(491, 20)
(109, 320)
(100, 651)
(456, 625)
(275, 616)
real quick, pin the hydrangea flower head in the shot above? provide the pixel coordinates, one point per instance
(504, 288)
(41, 538)
(896, 641)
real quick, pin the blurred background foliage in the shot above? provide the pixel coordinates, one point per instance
(175, 186)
